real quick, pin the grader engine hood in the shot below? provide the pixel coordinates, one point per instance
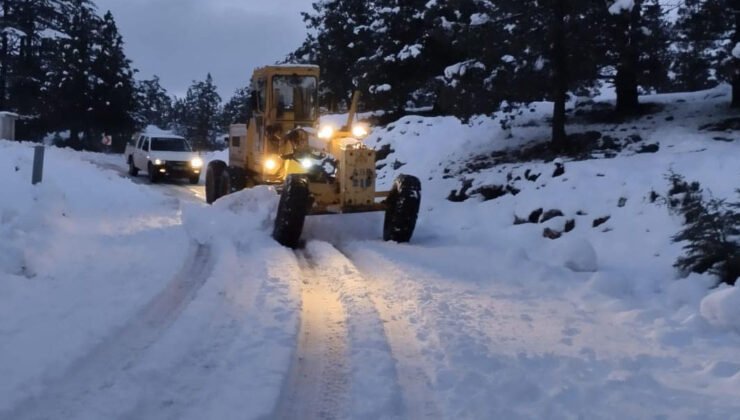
(329, 153)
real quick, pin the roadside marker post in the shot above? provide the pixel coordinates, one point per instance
(38, 164)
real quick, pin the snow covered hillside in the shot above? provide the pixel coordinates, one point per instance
(513, 324)
(124, 300)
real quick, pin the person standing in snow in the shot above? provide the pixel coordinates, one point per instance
(107, 142)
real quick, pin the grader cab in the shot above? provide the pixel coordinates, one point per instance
(283, 98)
(316, 169)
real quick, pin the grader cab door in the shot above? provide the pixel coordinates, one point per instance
(256, 126)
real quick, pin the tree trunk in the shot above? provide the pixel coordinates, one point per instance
(736, 89)
(560, 77)
(626, 82)
(736, 39)
(4, 62)
(4, 59)
(74, 139)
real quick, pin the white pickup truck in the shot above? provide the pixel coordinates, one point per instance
(162, 155)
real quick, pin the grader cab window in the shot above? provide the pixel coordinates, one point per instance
(296, 97)
(259, 96)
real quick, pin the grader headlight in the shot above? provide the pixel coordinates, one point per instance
(326, 132)
(270, 164)
(360, 131)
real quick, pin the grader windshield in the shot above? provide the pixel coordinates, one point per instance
(296, 97)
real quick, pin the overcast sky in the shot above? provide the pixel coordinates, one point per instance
(183, 40)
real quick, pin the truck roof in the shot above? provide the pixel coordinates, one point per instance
(154, 131)
(287, 69)
(161, 135)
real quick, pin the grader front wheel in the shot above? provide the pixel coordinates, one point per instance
(402, 209)
(294, 203)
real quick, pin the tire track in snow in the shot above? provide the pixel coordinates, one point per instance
(317, 383)
(375, 390)
(174, 188)
(230, 343)
(98, 370)
(418, 397)
(171, 388)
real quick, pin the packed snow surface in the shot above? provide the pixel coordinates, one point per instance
(124, 300)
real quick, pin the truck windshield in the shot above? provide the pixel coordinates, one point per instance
(170, 145)
(296, 97)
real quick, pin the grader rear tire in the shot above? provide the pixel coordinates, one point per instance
(402, 209)
(214, 174)
(295, 200)
(237, 178)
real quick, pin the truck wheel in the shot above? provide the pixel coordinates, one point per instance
(132, 169)
(153, 176)
(214, 172)
(402, 209)
(295, 200)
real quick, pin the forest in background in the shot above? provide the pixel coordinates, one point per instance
(63, 66)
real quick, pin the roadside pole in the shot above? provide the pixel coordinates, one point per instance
(38, 164)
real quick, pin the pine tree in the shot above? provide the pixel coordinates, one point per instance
(712, 241)
(732, 64)
(113, 92)
(154, 105)
(396, 71)
(70, 81)
(236, 110)
(709, 32)
(636, 44)
(342, 37)
(29, 32)
(626, 26)
(554, 52)
(8, 42)
(459, 50)
(198, 114)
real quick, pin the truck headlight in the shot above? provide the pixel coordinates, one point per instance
(196, 163)
(325, 132)
(359, 131)
(270, 164)
(158, 162)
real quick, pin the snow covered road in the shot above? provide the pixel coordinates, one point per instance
(176, 188)
(83, 385)
(124, 300)
(317, 383)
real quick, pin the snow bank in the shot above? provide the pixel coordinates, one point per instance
(722, 308)
(116, 297)
(240, 217)
(577, 254)
(736, 50)
(79, 254)
(493, 304)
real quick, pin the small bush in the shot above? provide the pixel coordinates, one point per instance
(684, 198)
(711, 234)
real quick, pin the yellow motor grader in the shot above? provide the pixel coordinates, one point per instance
(316, 169)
